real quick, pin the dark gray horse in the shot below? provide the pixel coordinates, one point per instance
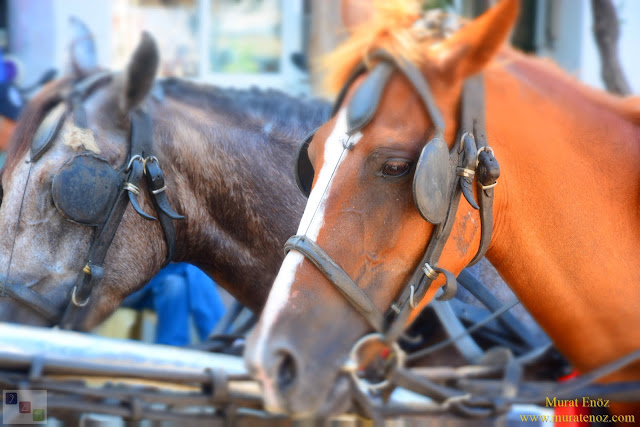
(226, 155)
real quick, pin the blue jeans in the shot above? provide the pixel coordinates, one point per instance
(177, 292)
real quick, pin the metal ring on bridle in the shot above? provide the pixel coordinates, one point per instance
(133, 159)
(462, 139)
(429, 271)
(74, 300)
(352, 365)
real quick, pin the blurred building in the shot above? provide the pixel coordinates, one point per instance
(268, 42)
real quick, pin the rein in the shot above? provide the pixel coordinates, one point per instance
(122, 186)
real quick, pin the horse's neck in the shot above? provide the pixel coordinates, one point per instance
(236, 221)
(567, 229)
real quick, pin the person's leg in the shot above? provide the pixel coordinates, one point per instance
(140, 299)
(206, 305)
(171, 302)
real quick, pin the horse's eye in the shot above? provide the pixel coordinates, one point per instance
(395, 168)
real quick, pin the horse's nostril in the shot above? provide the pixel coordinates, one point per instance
(286, 372)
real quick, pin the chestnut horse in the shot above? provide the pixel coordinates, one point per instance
(566, 210)
(226, 156)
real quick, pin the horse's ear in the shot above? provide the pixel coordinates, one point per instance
(82, 49)
(473, 46)
(137, 79)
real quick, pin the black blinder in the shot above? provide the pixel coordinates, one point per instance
(303, 168)
(85, 189)
(431, 182)
(47, 131)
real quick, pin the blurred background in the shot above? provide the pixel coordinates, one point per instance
(268, 42)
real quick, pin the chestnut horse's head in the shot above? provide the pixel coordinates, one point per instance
(66, 231)
(384, 200)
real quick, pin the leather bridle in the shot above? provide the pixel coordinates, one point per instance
(470, 157)
(139, 162)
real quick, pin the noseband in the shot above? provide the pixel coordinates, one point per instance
(88, 191)
(441, 176)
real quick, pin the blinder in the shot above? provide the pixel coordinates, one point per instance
(47, 131)
(303, 169)
(85, 188)
(431, 181)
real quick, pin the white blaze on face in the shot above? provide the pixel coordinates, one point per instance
(310, 225)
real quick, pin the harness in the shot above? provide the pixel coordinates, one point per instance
(87, 190)
(441, 176)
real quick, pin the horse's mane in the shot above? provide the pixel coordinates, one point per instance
(397, 26)
(270, 110)
(400, 28)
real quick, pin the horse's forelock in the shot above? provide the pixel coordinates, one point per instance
(396, 26)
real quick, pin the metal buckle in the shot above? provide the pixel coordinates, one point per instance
(461, 144)
(480, 150)
(133, 159)
(352, 366)
(148, 159)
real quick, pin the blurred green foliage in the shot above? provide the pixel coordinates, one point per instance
(437, 4)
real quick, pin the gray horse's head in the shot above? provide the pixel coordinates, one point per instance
(42, 252)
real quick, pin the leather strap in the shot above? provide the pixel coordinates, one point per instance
(486, 224)
(91, 276)
(86, 281)
(338, 277)
(487, 169)
(33, 300)
(166, 215)
(415, 77)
